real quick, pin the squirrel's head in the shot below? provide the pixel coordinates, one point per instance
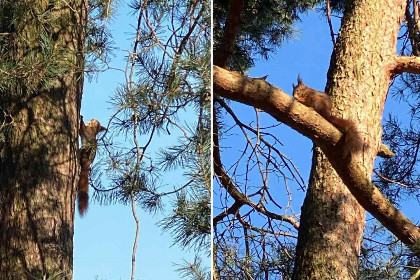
(299, 88)
(96, 125)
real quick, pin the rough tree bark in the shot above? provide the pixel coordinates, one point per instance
(39, 167)
(332, 221)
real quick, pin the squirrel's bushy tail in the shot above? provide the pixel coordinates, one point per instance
(353, 142)
(82, 192)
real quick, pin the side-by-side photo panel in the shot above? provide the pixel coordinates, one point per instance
(315, 139)
(105, 140)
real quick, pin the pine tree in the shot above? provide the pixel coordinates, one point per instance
(41, 50)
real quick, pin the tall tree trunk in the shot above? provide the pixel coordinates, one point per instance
(38, 164)
(332, 221)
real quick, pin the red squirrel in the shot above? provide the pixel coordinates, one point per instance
(88, 134)
(321, 103)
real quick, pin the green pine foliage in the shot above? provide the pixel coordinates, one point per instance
(265, 25)
(193, 271)
(43, 61)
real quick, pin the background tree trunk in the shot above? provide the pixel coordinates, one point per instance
(39, 167)
(332, 221)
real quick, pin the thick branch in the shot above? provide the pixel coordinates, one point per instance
(385, 152)
(230, 32)
(262, 95)
(410, 64)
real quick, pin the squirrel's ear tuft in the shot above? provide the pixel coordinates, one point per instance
(101, 128)
(299, 80)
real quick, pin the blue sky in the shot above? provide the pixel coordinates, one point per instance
(104, 237)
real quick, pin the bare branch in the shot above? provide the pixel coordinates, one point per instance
(232, 189)
(230, 32)
(275, 233)
(328, 10)
(288, 163)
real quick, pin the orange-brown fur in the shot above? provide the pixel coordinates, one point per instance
(88, 134)
(321, 103)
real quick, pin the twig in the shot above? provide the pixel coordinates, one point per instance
(415, 275)
(136, 238)
(328, 9)
(390, 180)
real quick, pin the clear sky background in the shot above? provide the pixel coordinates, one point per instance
(307, 54)
(103, 239)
